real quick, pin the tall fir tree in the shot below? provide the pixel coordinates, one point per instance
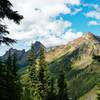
(33, 79)
(9, 77)
(62, 85)
(52, 91)
(43, 75)
(17, 90)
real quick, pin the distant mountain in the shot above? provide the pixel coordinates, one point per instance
(82, 70)
(87, 45)
(22, 55)
(37, 46)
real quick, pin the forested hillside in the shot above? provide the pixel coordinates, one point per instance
(80, 61)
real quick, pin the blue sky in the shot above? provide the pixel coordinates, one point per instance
(53, 22)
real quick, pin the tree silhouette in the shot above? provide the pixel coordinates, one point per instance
(43, 75)
(7, 12)
(33, 79)
(62, 85)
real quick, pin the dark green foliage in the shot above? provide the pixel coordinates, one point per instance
(39, 86)
(87, 80)
(96, 57)
(16, 79)
(52, 93)
(98, 94)
(32, 66)
(11, 87)
(32, 88)
(43, 75)
(62, 85)
(58, 62)
(31, 56)
(3, 94)
(7, 12)
(26, 94)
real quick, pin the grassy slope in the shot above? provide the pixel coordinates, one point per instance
(84, 80)
(91, 95)
(84, 74)
(81, 79)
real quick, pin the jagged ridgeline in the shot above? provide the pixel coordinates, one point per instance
(22, 55)
(81, 62)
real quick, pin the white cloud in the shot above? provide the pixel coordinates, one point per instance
(52, 40)
(71, 35)
(93, 14)
(93, 23)
(73, 2)
(42, 29)
(39, 22)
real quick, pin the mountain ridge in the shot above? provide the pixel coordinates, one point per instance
(22, 55)
(84, 40)
(58, 51)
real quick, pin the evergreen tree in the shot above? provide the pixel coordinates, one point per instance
(17, 90)
(52, 94)
(1, 67)
(31, 55)
(43, 75)
(62, 85)
(11, 80)
(8, 61)
(9, 77)
(75, 98)
(32, 66)
(33, 79)
(7, 12)
(3, 93)
(26, 94)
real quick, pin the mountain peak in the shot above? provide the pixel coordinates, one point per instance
(37, 42)
(90, 36)
(37, 45)
(89, 33)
